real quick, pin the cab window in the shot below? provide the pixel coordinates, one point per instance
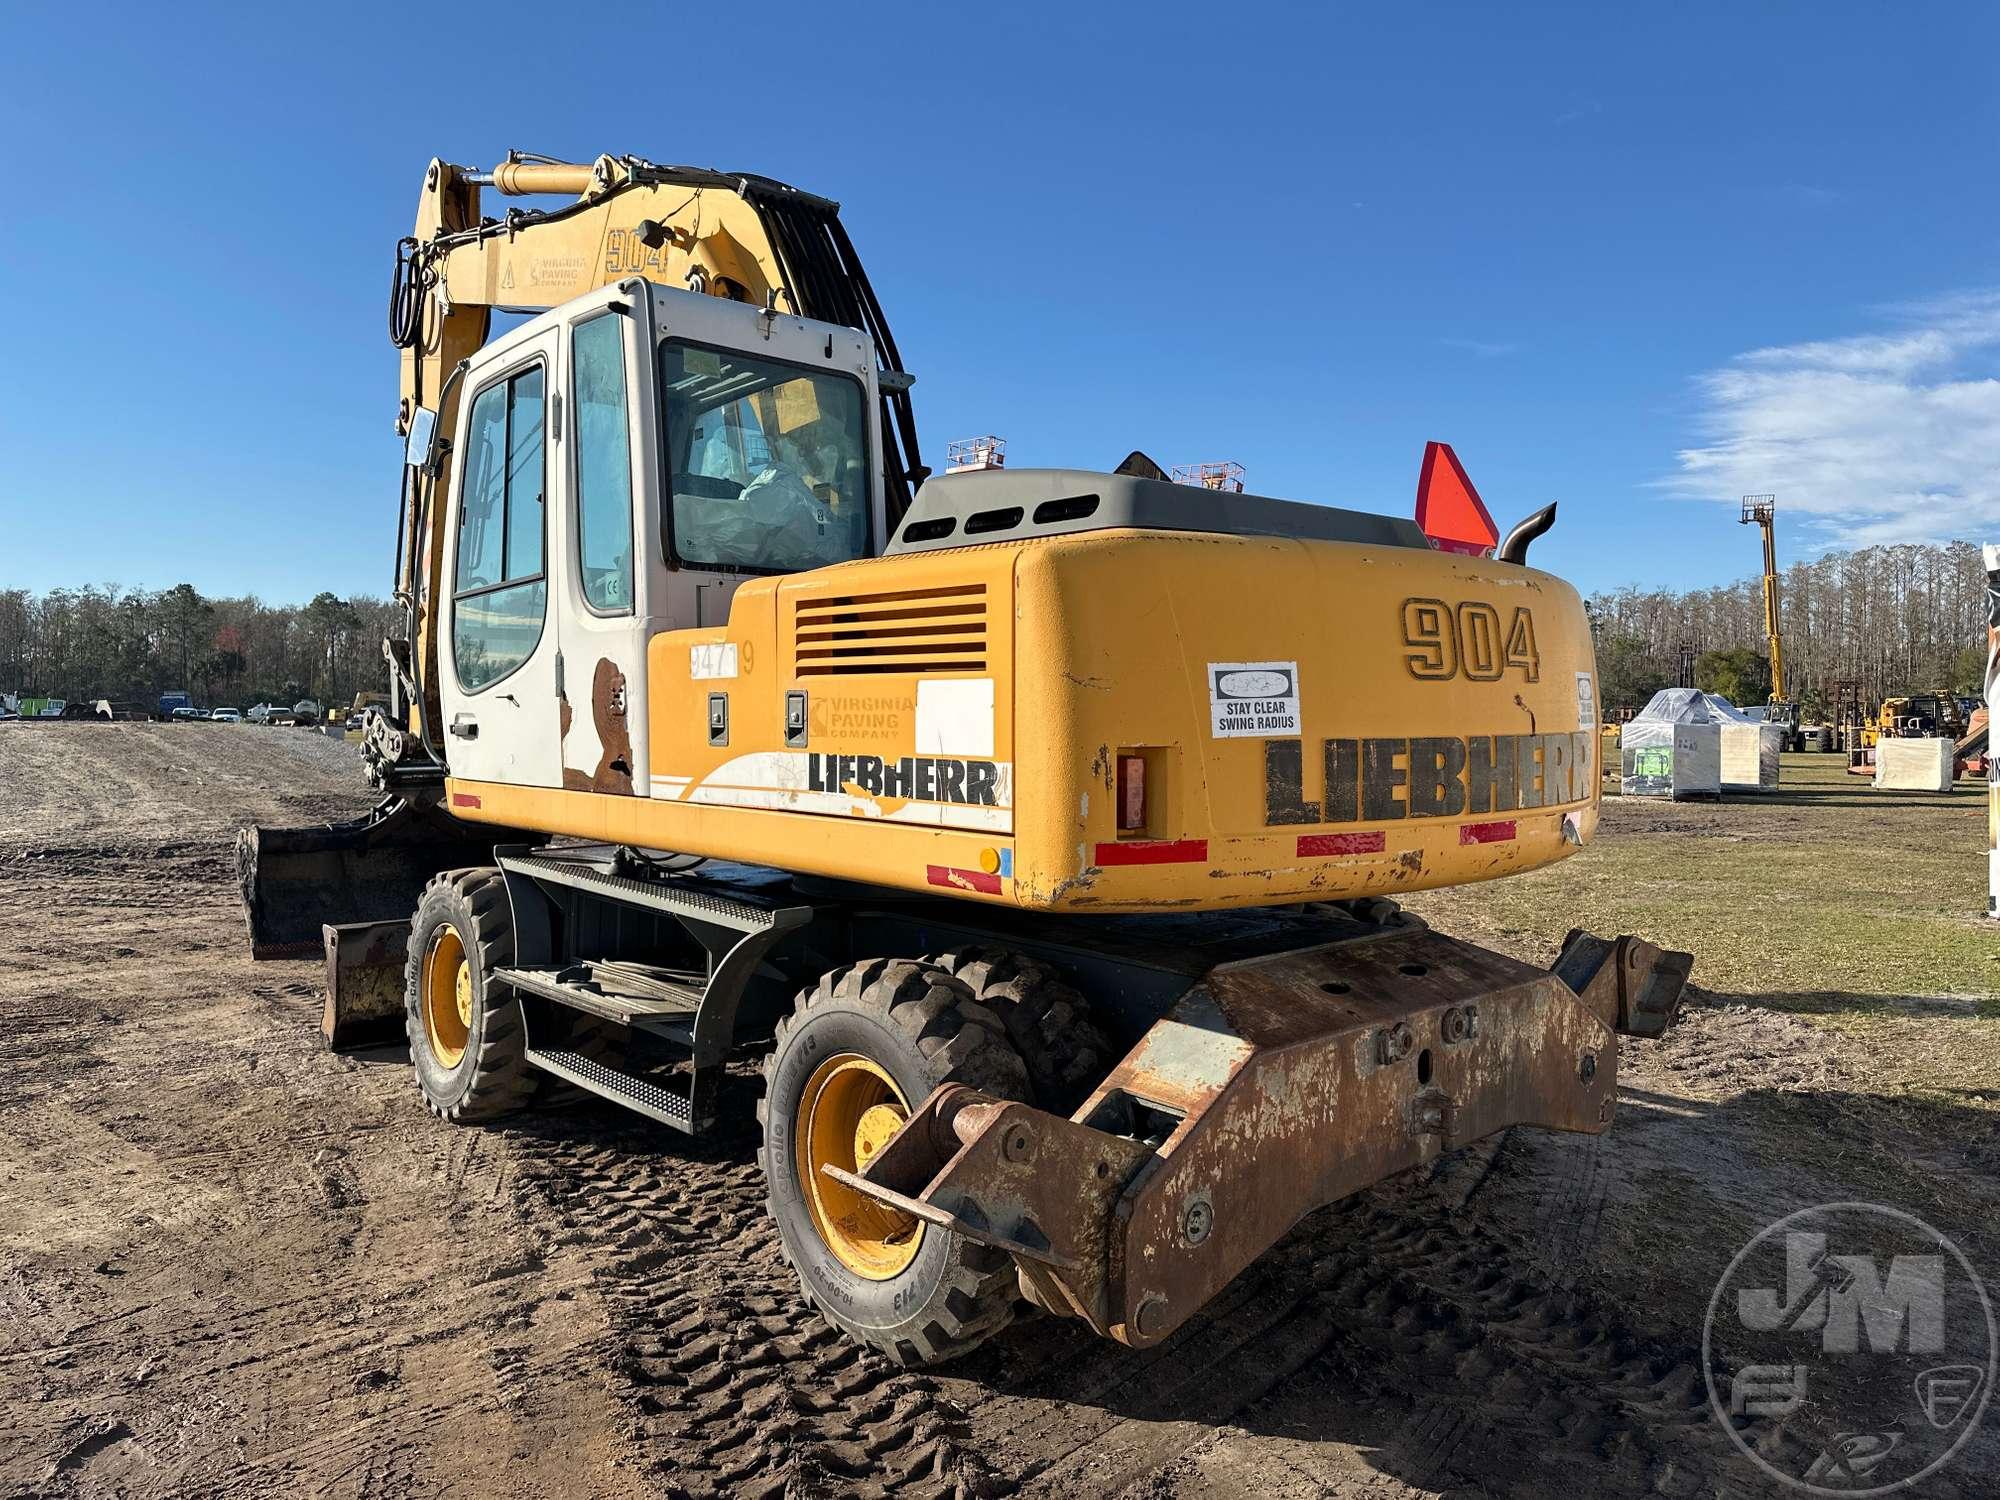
(499, 593)
(768, 462)
(603, 465)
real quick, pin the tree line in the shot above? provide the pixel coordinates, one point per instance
(134, 644)
(1896, 620)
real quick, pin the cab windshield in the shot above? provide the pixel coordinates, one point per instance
(768, 462)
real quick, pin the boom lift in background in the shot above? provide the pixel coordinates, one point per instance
(1037, 832)
(1761, 511)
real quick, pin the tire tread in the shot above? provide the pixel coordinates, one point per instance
(502, 1082)
(960, 1041)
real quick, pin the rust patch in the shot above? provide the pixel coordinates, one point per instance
(568, 714)
(607, 711)
(1102, 768)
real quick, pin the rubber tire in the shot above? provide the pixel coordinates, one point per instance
(923, 1028)
(492, 1078)
(1047, 1020)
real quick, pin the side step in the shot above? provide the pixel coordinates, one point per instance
(664, 1105)
(641, 995)
(683, 896)
(559, 899)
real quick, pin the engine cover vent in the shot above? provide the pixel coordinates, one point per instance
(909, 630)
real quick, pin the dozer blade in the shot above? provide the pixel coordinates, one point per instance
(373, 868)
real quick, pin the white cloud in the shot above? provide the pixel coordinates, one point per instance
(1878, 437)
(1479, 347)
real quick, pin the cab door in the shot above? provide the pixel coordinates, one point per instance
(500, 641)
(612, 563)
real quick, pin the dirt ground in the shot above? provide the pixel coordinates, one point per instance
(233, 1264)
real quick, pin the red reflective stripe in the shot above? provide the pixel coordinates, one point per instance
(964, 880)
(1339, 843)
(1154, 852)
(1486, 833)
(464, 799)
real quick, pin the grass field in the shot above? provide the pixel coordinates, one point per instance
(1861, 911)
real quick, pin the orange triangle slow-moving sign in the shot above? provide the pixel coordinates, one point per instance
(1449, 510)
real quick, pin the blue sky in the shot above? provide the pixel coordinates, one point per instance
(1623, 259)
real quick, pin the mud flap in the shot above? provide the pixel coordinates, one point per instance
(296, 881)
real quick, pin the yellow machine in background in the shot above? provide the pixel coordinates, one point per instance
(1038, 828)
(1918, 716)
(363, 702)
(1761, 511)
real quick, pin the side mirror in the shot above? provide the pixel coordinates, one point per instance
(421, 447)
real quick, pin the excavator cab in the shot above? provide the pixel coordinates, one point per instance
(540, 545)
(572, 539)
(572, 536)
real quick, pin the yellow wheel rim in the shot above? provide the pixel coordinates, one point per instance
(447, 997)
(848, 1112)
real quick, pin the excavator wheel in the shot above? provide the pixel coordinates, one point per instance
(860, 1051)
(1046, 1019)
(467, 1041)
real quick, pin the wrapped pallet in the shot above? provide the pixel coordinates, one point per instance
(1670, 758)
(1673, 746)
(1750, 752)
(1913, 765)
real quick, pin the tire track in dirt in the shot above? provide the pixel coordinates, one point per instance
(731, 1383)
(334, 1310)
(1389, 1326)
(1571, 1210)
(1466, 1347)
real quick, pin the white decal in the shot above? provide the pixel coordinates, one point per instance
(713, 662)
(1253, 698)
(955, 716)
(1586, 703)
(808, 782)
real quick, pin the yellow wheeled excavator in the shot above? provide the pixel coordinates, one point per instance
(1037, 832)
